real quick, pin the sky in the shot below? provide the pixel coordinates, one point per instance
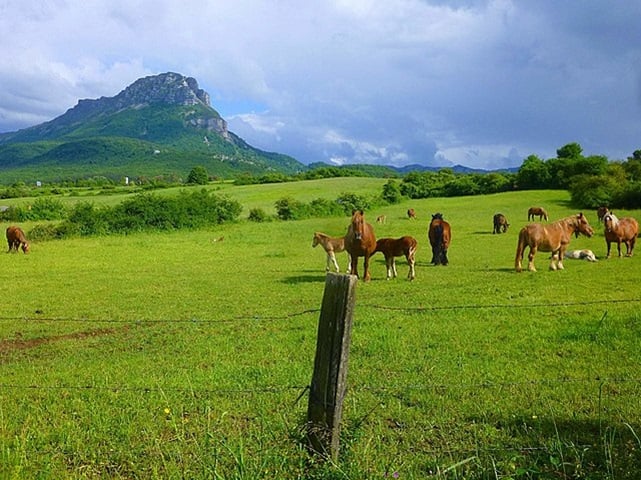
(479, 83)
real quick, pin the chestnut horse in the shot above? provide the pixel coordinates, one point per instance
(440, 236)
(624, 230)
(392, 248)
(554, 238)
(331, 245)
(16, 238)
(411, 214)
(537, 212)
(360, 241)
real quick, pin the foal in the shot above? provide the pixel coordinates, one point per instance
(396, 248)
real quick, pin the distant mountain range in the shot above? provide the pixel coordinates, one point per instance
(159, 125)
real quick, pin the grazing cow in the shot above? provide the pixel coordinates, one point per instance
(537, 212)
(381, 219)
(411, 214)
(396, 247)
(500, 223)
(440, 235)
(16, 238)
(581, 255)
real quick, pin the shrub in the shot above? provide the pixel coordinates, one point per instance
(258, 215)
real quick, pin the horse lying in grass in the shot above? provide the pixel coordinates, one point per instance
(624, 230)
(553, 238)
(581, 255)
(332, 246)
(396, 247)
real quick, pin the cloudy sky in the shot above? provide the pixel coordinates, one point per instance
(482, 83)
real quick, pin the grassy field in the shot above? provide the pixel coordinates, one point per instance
(172, 355)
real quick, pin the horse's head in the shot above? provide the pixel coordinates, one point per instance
(582, 226)
(316, 239)
(610, 221)
(25, 247)
(437, 216)
(358, 223)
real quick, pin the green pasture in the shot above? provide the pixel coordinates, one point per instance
(176, 355)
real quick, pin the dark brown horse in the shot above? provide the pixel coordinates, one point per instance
(440, 236)
(601, 211)
(16, 238)
(624, 230)
(411, 214)
(500, 223)
(397, 247)
(537, 212)
(554, 238)
(360, 241)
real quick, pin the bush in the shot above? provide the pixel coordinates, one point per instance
(258, 215)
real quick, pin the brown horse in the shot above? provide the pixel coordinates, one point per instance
(601, 211)
(440, 236)
(331, 245)
(396, 247)
(537, 212)
(500, 223)
(360, 241)
(554, 238)
(411, 214)
(16, 238)
(624, 230)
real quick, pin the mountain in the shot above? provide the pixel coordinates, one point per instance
(159, 125)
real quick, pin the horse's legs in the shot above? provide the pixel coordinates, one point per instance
(619, 246)
(366, 274)
(354, 267)
(607, 255)
(530, 258)
(410, 262)
(349, 263)
(632, 241)
(444, 260)
(394, 267)
(332, 256)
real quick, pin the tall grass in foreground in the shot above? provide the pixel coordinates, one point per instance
(176, 356)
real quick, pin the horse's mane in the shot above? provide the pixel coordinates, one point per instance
(614, 218)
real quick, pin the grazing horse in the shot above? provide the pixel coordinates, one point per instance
(360, 241)
(537, 212)
(331, 245)
(601, 211)
(624, 230)
(392, 248)
(16, 238)
(554, 238)
(411, 214)
(440, 235)
(500, 223)
(381, 219)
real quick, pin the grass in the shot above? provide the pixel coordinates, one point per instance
(169, 355)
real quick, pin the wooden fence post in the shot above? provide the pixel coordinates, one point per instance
(330, 366)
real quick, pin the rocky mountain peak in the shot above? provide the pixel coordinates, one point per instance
(167, 88)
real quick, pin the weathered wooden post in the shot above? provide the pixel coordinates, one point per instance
(330, 366)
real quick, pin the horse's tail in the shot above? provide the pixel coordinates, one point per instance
(520, 249)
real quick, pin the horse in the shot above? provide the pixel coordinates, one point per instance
(331, 245)
(581, 255)
(500, 223)
(381, 219)
(554, 238)
(601, 211)
(360, 241)
(624, 230)
(391, 248)
(537, 212)
(16, 238)
(440, 236)
(411, 214)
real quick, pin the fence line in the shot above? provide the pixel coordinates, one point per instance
(257, 317)
(354, 388)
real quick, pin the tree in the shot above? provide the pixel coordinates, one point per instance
(392, 192)
(533, 174)
(198, 176)
(571, 150)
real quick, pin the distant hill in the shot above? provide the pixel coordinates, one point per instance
(159, 125)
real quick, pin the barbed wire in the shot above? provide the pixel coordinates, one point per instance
(259, 317)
